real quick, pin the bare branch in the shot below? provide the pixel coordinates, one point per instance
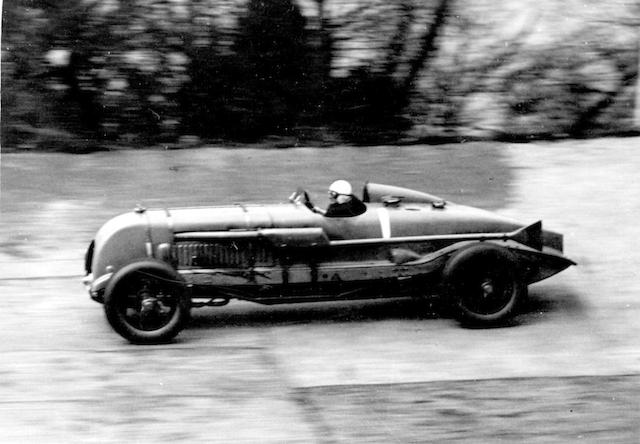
(426, 48)
(399, 39)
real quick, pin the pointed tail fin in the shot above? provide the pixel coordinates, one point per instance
(530, 235)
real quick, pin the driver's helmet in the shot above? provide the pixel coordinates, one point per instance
(341, 191)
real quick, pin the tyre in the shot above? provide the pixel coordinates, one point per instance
(147, 302)
(484, 283)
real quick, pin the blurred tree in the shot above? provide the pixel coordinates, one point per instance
(28, 111)
(20, 66)
(370, 101)
(625, 59)
(70, 32)
(149, 71)
(270, 68)
(203, 96)
(74, 30)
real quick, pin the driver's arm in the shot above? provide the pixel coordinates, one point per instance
(315, 209)
(311, 206)
(301, 196)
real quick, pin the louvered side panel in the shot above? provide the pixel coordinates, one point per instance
(221, 255)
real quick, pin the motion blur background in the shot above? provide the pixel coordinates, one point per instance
(81, 74)
(223, 79)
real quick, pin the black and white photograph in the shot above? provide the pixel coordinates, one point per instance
(320, 221)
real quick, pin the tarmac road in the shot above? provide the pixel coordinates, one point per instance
(366, 371)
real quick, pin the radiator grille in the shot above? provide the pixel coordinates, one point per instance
(222, 254)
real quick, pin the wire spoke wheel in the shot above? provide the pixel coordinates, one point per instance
(484, 282)
(146, 302)
(486, 291)
(149, 303)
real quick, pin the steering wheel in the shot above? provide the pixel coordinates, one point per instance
(300, 196)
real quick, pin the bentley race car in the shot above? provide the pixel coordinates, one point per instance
(150, 267)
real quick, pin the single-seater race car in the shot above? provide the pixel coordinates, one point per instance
(150, 267)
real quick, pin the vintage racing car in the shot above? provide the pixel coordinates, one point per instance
(150, 267)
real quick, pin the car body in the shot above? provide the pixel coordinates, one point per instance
(151, 266)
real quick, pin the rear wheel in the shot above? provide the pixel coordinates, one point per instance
(484, 283)
(147, 303)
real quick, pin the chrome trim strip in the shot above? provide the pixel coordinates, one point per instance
(204, 235)
(437, 237)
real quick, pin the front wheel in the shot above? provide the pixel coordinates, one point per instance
(485, 284)
(147, 303)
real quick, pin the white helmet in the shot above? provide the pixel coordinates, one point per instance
(341, 189)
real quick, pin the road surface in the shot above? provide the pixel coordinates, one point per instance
(366, 371)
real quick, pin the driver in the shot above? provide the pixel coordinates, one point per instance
(342, 202)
